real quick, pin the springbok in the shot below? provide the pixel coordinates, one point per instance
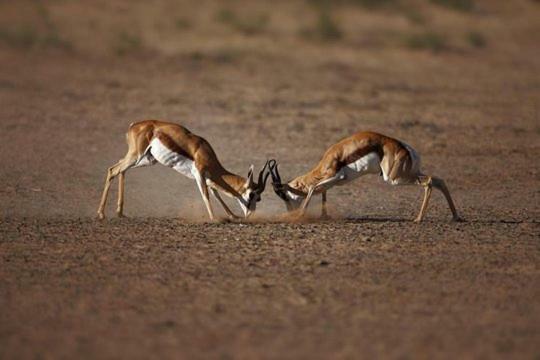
(360, 154)
(174, 146)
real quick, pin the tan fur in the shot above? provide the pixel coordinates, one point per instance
(183, 142)
(395, 162)
(395, 159)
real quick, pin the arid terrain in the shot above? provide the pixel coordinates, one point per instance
(457, 80)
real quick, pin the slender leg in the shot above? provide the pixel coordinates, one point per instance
(441, 186)
(117, 169)
(326, 183)
(120, 208)
(427, 195)
(324, 210)
(227, 210)
(203, 188)
(111, 173)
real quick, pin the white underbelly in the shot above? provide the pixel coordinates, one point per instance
(367, 164)
(172, 159)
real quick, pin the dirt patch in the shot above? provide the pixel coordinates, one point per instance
(259, 82)
(333, 289)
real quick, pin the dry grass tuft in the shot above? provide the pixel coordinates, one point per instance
(461, 5)
(127, 43)
(427, 41)
(252, 25)
(476, 39)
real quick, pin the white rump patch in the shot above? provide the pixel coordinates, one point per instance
(415, 168)
(169, 158)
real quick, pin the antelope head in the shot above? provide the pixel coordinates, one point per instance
(253, 190)
(292, 197)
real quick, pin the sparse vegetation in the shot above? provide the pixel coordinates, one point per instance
(52, 37)
(368, 4)
(127, 43)
(427, 41)
(476, 39)
(54, 40)
(26, 37)
(223, 56)
(19, 37)
(248, 26)
(225, 16)
(219, 56)
(414, 15)
(182, 24)
(461, 5)
(326, 28)
(372, 4)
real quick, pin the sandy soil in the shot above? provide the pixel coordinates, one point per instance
(340, 289)
(368, 283)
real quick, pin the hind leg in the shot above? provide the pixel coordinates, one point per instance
(120, 205)
(427, 184)
(440, 185)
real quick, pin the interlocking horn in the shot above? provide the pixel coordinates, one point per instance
(261, 184)
(276, 179)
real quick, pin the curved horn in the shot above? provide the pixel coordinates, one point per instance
(261, 184)
(261, 173)
(250, 174)
(276, 178)
(271, 165)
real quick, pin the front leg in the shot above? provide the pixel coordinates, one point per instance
(227, 210)
(325, 184)
(203, 189)
(324, 212)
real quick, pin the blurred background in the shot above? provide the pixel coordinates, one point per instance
(457, 79)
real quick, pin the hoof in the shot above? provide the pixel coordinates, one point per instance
(417, 220)
(458, 219)
(100, 216)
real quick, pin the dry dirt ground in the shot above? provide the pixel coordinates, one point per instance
(281, 79)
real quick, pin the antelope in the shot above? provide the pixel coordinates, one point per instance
(153, 141)
(360, 154)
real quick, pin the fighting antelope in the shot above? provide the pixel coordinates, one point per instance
(174, 146)
(360, 154)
